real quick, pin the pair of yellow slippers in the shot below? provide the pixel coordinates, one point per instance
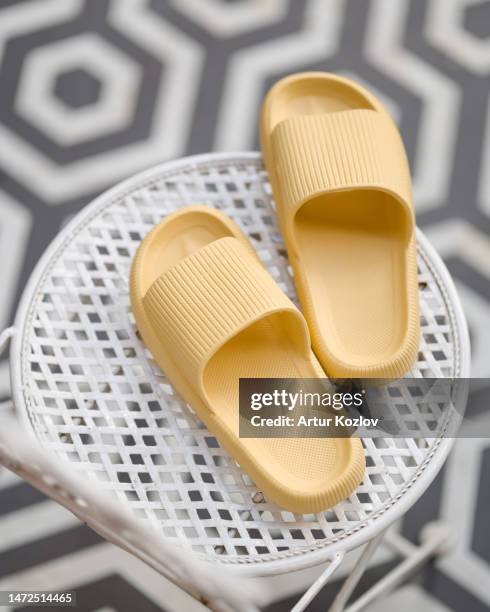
(211, 314)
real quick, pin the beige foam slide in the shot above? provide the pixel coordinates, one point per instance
(211, 314)
(341, 183)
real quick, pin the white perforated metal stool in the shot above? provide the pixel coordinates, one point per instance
(88, 390)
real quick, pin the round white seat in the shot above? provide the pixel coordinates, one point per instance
(90, 391)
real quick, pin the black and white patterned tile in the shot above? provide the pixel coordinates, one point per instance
(95, 90)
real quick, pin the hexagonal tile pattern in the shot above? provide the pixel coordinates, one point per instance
(477, 19)
(77, 88)
(93, 91)
(447, 30)
(224, 18)
(117, 73)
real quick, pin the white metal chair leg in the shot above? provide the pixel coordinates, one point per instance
(398, 544)
(352, 580)
(435, 538)
(319, 583)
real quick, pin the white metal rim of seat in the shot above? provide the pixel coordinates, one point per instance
(237, 184)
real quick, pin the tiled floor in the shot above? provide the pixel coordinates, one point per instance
(94, 90)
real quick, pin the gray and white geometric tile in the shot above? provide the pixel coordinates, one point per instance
(95, 90)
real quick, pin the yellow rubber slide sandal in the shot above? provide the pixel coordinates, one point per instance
(341, 183)
(210, 314)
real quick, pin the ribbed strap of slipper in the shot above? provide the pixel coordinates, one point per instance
(209, 297)
(352, 149)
